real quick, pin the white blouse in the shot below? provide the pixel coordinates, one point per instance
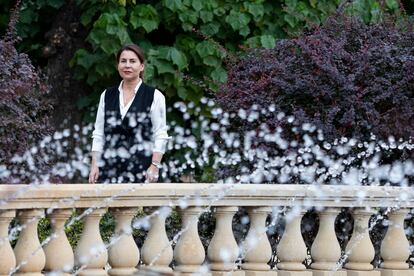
(158, 118)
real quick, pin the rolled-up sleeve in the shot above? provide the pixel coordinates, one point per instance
(159, 123)
(98, 132)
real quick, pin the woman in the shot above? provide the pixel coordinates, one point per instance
(130, 133)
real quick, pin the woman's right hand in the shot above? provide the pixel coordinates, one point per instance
(94, 174)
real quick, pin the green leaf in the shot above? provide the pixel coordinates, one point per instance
(205, 49)
(163, 66)
(88, 15)
(187, 27)
(109, 33)
(197, 4)
(244, 31)
(220, 11)
(149, 71)
(178, 58)
(182, 92)
(253, 42)
(210, 29)
(144, 16)
(173, 5)
(291, 20)
(219, 74)
(237, 20)
(255, 9)
(211, 61)
(392, 4)
(188, 16)
(267, 41)
(27, 16)
(185, 42)
(291, 4)
(164, 52)
(375, 12)
(206, 16)
(83, 58)
(104, 69)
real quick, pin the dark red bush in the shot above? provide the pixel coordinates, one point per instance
(346, 77)
(351, 81)
(24, 110)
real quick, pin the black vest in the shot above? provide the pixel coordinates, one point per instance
(127, 149)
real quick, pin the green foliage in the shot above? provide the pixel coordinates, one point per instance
(165, 31)
(181, 37)
(34, 18)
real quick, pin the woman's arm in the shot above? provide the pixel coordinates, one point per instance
(160, 135)
(98, 140)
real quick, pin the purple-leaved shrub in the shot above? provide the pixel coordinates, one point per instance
(343, 91)
(346, 78)
(24, 109)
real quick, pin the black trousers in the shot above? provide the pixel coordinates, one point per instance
(119, 170)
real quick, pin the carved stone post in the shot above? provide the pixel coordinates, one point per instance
(157, 252)
(325, 250)
(29, 254)
(189, 251)
(223, 250)
(8, 261)
(257, 250)
(292, 250)
(91, 254)
(59, 254)
(395, 248)
(359, 249)
(124, 253)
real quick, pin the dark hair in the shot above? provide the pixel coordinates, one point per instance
(137, 50)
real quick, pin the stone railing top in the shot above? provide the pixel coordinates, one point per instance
(199, 194)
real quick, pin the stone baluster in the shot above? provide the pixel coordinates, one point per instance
(157, 252)
(325, 250)
(395, 248)
(29, 254)
(124, 253)
(292, 250)
(59, 254)
(7, 260)
(189, 252)
(91, 255)
(257, 250)
(359, 249)
(223, 250)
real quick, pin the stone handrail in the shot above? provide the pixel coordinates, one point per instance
(122, 256)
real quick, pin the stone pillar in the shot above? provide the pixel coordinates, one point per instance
(359, 249)
(157, 252)
(124, 253)
(395, 248)
(59, 254)
(325, 250)
(29, 254)
(91, 255)
(256, 248)
(223, 250)
(189, 252)
(292, 250)
(8, 261)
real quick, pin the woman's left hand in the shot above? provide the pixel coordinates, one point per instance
(152, 174)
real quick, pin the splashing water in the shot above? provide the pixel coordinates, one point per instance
(265, 154)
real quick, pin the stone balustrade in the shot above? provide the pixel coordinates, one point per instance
(186, 254)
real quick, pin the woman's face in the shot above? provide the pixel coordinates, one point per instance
(129, 66)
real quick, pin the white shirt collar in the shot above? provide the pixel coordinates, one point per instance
(136, 87)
